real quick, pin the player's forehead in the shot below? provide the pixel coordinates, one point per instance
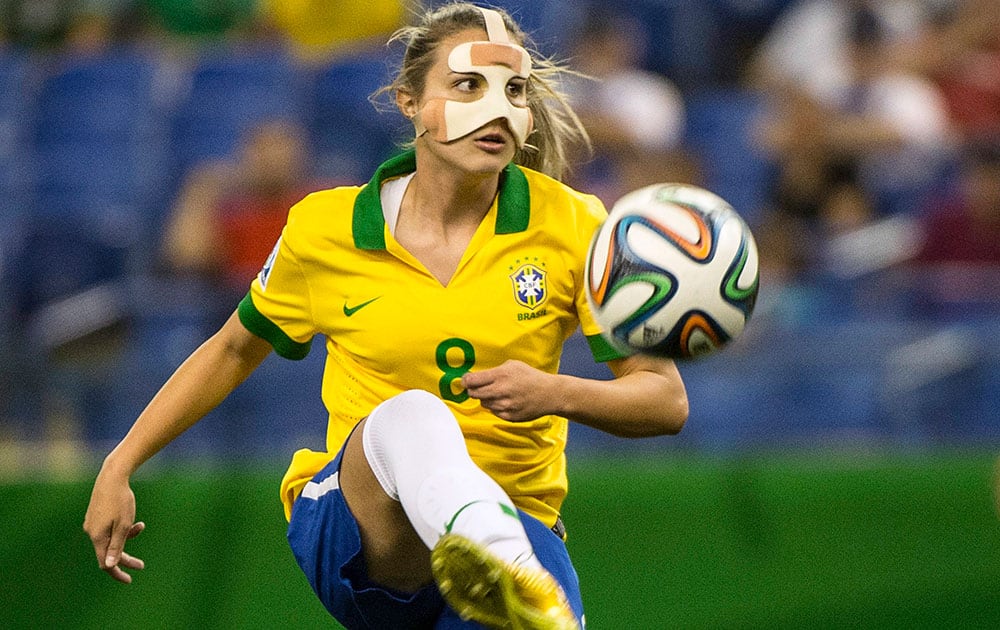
(470, 52)
(451, 42)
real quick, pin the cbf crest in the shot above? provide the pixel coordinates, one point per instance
(530, 288)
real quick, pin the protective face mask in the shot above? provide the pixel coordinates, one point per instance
(497, 61)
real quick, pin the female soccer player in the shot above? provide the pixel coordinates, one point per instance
(445, 289)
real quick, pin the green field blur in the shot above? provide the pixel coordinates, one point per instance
(787, 540)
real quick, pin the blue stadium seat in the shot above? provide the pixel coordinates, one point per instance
(90, 178)
(103, 97)
(16, 111)
(97, 137)
(719, 129)
(59, 257)
(681, 38)
(228, 90)
(549, 23)
(700, 44)
(350, 136)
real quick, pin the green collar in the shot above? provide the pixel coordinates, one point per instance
(513, 209)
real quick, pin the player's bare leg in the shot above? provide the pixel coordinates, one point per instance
(395, 555)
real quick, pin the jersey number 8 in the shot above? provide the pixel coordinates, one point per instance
(451, 373)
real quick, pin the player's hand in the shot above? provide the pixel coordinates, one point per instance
(110, 522)
(514, 391)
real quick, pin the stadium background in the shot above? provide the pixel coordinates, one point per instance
(837, 469)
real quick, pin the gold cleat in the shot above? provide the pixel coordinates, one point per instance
(482, 588)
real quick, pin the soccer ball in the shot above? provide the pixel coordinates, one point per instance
(672, 272)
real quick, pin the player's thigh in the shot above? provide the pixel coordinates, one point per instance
(326, 541)
(395, 555)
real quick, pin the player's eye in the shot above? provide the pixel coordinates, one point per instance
(517, 90)
(467, 84)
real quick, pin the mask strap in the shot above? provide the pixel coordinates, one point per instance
(496, 31)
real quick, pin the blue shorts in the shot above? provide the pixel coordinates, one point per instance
(327, 545)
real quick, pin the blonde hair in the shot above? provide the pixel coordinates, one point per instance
(557, 126)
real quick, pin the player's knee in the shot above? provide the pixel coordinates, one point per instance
(414, 421)
(416, 409)
(407, 430)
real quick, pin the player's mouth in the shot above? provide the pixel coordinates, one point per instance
(491, 142)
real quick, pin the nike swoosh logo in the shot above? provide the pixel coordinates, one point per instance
(351, 310)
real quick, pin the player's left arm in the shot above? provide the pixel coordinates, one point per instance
(647, 396)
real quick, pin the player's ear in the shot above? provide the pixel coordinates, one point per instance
(406, 103)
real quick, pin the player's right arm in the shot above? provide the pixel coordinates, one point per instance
(197, 387)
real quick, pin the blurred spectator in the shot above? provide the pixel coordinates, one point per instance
(36, 23)
(961, 53)
(66, 298)
(957, 267)
(83, 26)
(9, 234)
(229, 214)
(855, 136)
(200, 20)
(964, 227)
(787, 298)
(635, 117)
(810, 44)
(319, 28)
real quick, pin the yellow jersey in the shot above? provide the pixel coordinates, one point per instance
(390, 325)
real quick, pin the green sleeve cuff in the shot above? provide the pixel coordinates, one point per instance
(602, 350)
(267, 330)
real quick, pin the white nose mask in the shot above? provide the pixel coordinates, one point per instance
(497, 61)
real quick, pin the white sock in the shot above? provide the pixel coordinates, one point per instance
(416, 450)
